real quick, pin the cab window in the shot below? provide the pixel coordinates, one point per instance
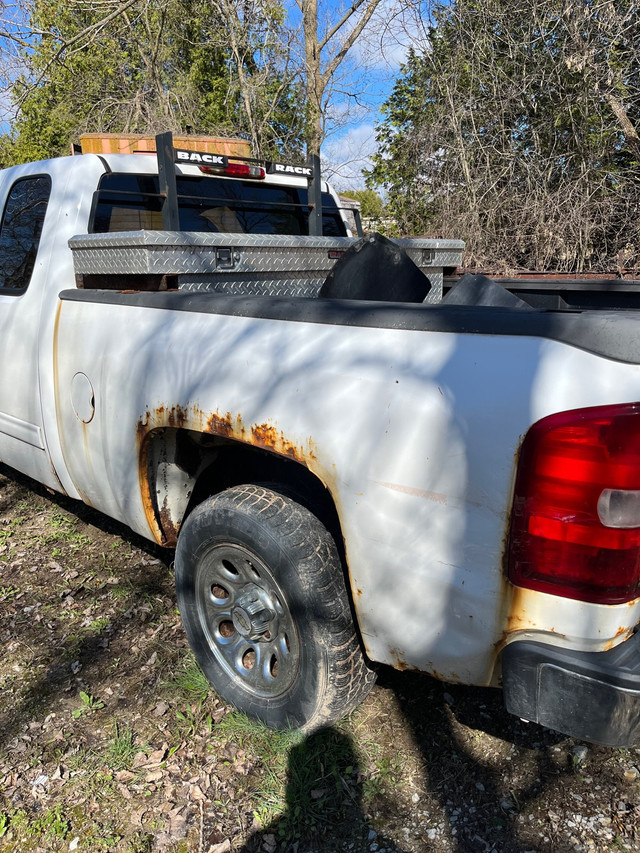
(133, 202)
(22, 221)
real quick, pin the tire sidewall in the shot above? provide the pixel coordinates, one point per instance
(219, 521)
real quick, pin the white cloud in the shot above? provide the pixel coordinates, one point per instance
(394, 28)
(345, 156)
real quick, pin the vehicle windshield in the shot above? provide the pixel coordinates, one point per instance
(126, 202)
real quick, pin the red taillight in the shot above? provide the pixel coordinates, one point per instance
(244, 170)
(236, 170)
(575, 524)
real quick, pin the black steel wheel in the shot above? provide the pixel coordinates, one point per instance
(262, 598)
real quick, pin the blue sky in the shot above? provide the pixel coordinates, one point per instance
(364, 81)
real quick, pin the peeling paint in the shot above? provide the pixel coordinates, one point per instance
(623, 633)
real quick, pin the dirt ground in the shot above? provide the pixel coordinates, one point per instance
(110, 740)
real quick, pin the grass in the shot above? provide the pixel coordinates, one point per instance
(140, 843)
(78, 758)
(122, 747)
(193, 722)
(190, 681)
(53, 824)
(270, 750)
(62, 528)
(322, 783)
(8, 592)
(49, 826)
(306, 783)
(385, 774)
(8, 528)
(191, 685)
(299, 784)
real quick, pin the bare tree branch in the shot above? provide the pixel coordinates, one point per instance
(350, 40)
(343, 20)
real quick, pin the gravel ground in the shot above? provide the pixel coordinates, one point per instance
(110, 741)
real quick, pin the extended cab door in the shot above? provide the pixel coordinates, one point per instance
(25, 227)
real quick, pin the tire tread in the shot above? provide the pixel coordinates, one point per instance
(348, 677)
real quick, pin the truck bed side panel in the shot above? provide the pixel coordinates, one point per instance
(414, 433)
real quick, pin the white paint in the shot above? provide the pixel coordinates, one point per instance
(21, 431)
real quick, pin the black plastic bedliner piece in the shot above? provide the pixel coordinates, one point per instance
(480, 290)
(378, 270)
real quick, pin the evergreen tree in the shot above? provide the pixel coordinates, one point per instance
(156, 65)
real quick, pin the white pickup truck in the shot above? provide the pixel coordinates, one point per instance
(450, 486)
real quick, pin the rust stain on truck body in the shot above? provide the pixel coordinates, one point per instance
(523, 613)
(145, 486)
(623, 633)
(168, 526)
(264, 436)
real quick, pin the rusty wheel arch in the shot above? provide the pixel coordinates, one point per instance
(210, 464)
(215, 463)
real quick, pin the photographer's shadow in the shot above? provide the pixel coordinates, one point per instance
(324, 802)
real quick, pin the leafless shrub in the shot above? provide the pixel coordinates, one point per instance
(516, 128)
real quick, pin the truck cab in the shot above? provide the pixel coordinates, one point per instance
(45, 204)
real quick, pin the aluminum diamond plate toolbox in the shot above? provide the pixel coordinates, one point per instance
(250, 264)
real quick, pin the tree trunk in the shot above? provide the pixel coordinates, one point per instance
(314, 81)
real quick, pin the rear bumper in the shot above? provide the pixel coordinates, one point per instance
(594, 696)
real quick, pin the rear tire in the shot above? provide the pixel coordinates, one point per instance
(262, 597)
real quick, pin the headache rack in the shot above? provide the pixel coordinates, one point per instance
(233, 166)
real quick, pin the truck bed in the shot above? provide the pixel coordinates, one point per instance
(569, 293)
